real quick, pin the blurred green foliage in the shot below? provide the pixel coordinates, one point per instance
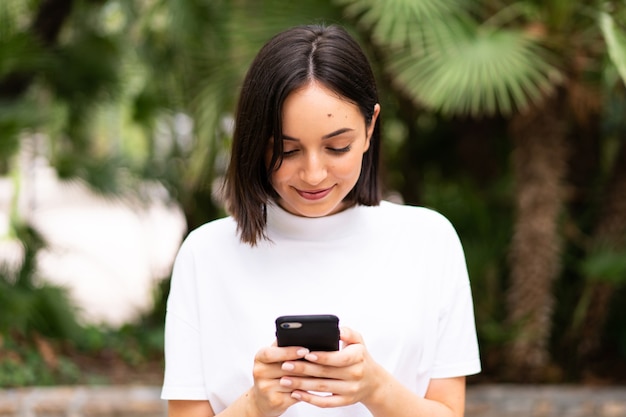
(42, 339)
(128, 91)
(22, 365)
(606, 264)
(29, 305)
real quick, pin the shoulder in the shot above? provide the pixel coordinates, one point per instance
(411, 225)
(400, 216)
(217, 232)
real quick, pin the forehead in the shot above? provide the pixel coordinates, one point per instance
(314, 103)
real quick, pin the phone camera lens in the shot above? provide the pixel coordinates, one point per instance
(291, 325)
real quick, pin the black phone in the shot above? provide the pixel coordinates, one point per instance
(315, 332)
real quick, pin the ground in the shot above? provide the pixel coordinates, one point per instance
(115, 371)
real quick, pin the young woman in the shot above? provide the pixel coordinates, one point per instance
(308, 234)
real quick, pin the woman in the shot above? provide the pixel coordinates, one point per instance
(308, 235)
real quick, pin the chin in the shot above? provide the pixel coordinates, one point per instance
(326, 210)
(313, 213)
(309, 210)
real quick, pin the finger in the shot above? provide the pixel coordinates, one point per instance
(273, 354)
(316, 386)
(321, 399)
(350, 337)
(348, 356)
(340, 368)
(303, 368)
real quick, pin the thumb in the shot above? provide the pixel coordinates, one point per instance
(349, 336)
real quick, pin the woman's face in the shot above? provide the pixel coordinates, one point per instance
(324, 139)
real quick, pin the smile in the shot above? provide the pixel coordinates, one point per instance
(314, 194)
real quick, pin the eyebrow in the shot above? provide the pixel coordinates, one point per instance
(326, 136)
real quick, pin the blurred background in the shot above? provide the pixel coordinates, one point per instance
(115, 122)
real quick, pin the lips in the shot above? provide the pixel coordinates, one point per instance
(314, 194)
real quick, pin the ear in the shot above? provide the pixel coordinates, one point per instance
(370, 128)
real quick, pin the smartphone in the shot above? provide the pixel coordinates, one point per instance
(314, 332)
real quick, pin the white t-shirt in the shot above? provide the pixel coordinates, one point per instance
(395, 274)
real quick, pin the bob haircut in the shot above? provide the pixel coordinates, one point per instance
(290, 60)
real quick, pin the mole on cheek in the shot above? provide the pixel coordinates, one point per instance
(329, 115)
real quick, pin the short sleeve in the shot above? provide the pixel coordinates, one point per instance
(183, 371)
(457, 344)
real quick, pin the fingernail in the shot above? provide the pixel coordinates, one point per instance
(285, 382)
(302, 352)
(311, 357)
(288, 366)
(296, 396)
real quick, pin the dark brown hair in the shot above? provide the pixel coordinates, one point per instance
(291, 59)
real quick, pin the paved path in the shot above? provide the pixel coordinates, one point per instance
(545, 401)
(482, 401)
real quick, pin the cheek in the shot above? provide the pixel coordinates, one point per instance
(350, 167)
(281, 175)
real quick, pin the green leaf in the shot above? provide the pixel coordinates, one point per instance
(606, 265)
(398, 22)
(19, 52)
(477, 71)
(616, 43)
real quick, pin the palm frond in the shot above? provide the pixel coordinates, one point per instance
(475, 71)
(616, 43)
(399, 22)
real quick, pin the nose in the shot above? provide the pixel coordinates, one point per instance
(313, 171)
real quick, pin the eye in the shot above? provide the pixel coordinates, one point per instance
(288, 153)
(341, 150)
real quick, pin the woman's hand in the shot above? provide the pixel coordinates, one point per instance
(351, 375)
(268, 397)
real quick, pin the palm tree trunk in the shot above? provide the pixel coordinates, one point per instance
(539, 168)
(612, 221)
